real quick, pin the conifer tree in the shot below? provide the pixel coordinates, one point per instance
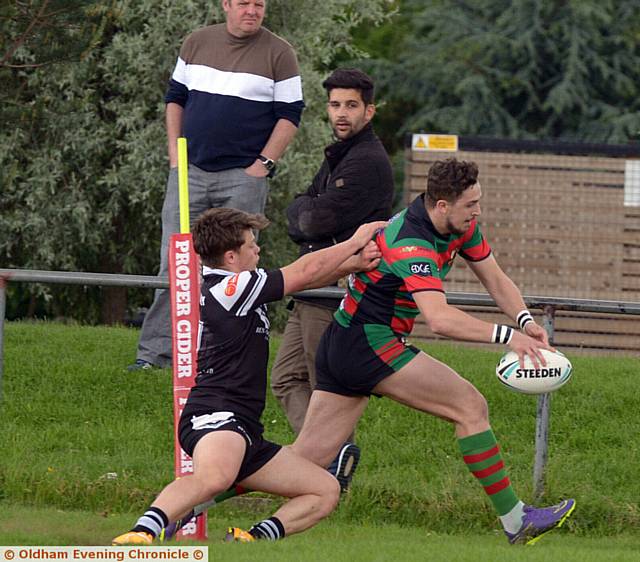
(533, 69)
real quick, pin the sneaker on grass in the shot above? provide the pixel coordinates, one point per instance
(538, 521)
(345, 464)
(133, 538)
(141, 365)
(169, 532)
(235, 534)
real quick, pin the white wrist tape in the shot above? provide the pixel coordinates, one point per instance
(523, 318)
(501, 334)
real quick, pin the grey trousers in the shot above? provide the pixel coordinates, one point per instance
(293, 376)
(228, 188)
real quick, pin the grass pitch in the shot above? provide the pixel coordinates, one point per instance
(81, 434)
(331, 540)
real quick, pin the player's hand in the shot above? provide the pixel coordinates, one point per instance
(256, 170)
(365, 233)
(523, 345)
(537, 332)
(369, 257)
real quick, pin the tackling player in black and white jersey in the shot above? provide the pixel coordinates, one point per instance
(220, 426)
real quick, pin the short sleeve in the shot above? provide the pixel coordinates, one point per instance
(475, 247)
(246, 291)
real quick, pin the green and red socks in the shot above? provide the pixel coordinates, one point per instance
(482, 456)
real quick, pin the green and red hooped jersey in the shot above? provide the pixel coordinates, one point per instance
(415, 257)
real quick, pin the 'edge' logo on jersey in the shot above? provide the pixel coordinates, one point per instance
(423, 269)
(232, 285)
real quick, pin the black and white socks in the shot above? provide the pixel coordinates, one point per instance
(152, 522)
(270, 529)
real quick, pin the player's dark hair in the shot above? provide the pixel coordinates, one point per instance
(351, 79)
(219, 230)
(448, 178)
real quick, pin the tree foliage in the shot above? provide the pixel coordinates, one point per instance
(82, 149)
(36, 33)
(49, 30)
(83, 171)
(514, 68)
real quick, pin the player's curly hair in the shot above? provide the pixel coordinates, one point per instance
(448, 178)
(220, 230)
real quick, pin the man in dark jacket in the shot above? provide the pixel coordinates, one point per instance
(353, 186)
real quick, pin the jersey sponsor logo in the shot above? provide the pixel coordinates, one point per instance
(232, 285)
(264, 329)
(212, 421)
(423, 269)
(395, 217)
(409, 249)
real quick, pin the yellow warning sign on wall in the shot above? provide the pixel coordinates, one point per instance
(443, 143)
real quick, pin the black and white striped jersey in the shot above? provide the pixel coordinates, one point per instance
(233, 342)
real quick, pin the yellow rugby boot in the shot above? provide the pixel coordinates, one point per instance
(235, 534)
(133, 538)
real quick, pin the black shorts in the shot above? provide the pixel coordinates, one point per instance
(352, 361)
(195, 424)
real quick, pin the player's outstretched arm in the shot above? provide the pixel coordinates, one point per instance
(325, 266)
(506, 295)
(449, 321)
(365, 260)
(501, 288)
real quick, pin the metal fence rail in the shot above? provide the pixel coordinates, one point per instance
(549, 305)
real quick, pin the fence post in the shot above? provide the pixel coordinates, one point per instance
(543, 414)
(3, 300)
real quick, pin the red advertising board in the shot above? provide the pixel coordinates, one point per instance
(184, 285)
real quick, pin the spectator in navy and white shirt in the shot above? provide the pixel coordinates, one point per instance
(236, 95)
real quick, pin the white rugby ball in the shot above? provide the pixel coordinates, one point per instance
(530, 380)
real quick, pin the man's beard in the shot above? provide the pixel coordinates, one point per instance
(342, 136)
(451, 229)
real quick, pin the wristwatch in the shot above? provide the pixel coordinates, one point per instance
(268, 163)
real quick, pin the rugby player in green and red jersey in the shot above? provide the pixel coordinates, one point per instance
(364, 351)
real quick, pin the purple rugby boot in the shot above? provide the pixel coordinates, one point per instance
(538, 521)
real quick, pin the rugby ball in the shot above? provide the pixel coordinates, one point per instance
(530, 380)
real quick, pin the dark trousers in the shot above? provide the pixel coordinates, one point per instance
(293, 376)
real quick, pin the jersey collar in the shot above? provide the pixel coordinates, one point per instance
(417, 213)
(215, 271)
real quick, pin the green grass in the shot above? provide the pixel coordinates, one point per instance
(71, 414)
(332, 540)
